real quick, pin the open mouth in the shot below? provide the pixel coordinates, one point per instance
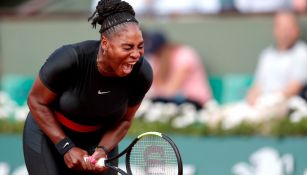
(127, 67)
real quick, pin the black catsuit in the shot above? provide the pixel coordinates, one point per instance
(84, 97)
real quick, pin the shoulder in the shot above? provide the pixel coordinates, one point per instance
(64, 51)
(143, 68)
(141, 80)
(142, 72)
(75, 49)
(145, 64)
(74, 53)
(268, 50)
(62, 56)
(301, 44)
(85, 47)
(185, 51)
(78, 48)
(268, 53)
(66, 57)
(85, 44)
(185, 57)
(301, 47)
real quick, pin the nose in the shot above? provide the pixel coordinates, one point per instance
(136, 54)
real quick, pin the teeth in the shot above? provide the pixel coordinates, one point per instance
(128, 66)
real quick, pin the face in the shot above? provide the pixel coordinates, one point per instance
(286, 30)
(122, 50)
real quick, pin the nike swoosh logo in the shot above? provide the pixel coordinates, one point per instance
(103, 92)
(66, 144)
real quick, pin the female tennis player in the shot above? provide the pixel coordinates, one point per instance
(85, 96)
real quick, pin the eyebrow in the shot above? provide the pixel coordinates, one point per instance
(128, 44)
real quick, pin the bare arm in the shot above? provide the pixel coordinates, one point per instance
(39, 101)
(293, 88)
(253, 94)
(182, 61)
(111, 139)
(177, 79)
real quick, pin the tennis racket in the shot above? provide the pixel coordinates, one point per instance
(151, 153)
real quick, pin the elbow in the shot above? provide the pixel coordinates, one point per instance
(126, 125)
(31, 102)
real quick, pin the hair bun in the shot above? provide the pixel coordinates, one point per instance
(107, 8)
(110, 13)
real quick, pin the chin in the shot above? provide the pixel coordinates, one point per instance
(122, 74)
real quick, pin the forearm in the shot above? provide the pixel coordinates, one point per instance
(44, 117)
(177, 79)
(111, 138)
(253, 94)
(39, 101)
(294, 88)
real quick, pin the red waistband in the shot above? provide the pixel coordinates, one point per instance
(75, 126)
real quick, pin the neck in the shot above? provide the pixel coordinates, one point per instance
(285, 47)
(103, 67)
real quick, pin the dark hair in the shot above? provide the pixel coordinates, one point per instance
(111, 13)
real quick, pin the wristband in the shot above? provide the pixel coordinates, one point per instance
(106, 150)
(64, 145)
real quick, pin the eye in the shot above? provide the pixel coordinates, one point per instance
(127, 48)
(141, 46)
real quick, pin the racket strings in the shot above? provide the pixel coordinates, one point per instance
(153, 155)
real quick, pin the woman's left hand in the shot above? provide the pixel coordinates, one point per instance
(98, 154)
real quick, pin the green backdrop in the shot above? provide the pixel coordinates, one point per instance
(220, 40)
(208, 155)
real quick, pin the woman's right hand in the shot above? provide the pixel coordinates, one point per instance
(74, 159)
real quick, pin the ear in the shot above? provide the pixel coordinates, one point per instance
(104, 43)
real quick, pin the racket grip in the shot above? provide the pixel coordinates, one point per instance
(90, 159)
(99, 163)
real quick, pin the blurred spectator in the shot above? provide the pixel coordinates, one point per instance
(93, 5)
(227, 5)
(280, 75)
(282, 67)
(142, 7)
(299, 6)
(172, 7)
(261, 6)
(184, 7)
(208, 6)
(179, 76)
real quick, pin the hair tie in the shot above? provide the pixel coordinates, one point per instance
(132, 19)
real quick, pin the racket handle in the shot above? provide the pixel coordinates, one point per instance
(90, 159)
(99, 163)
